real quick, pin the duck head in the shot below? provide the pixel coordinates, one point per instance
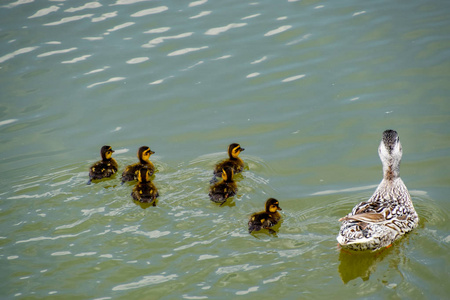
(144, 154)
(234, 150)
(272, 205)
(106, 152)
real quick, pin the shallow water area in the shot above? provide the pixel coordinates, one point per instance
(306, 87)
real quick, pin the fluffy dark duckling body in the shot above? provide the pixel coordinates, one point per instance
(221, 191)
(131, 172)
(103, 168)
(265, 219)
(145, 191)
(233, 162)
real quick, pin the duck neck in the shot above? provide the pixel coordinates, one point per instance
(391, 171)
(143, 161)
(228, 180)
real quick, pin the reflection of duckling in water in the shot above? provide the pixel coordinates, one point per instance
(221, 191)
(131, 172)
(233, 162)
(389, 213)
(103, 168)
(265, 219)
(145, 191)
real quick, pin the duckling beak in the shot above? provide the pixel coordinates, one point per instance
(112, 151)
(152, 152)
(241, 149)
(279, 208)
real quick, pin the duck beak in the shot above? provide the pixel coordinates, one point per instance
(152, 152)
(241, 149)
(279, 208)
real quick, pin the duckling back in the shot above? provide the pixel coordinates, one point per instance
(265, 219)
(145, 191)
(221, 191)
(131, 171)
(103, 168)
(234, 161)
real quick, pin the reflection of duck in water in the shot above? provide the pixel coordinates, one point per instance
(359, 264)
(131, 172)
(145, 191)
(389, 213)
(233, 162)
(221, 191)
(103, 168)
(265, 219)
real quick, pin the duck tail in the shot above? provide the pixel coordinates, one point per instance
(213, 180)
(253, 227)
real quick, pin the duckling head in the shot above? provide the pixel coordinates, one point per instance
(144, 154)
(106, 152)
(390, 152)
(272, 205)
(234, 150)
(227, 174)
(143, 175)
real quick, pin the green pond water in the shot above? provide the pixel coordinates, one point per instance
(306, 87)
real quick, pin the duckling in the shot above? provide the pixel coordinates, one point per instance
(130, 172)
(221, 191)
(233, 161)
(145, 191)
(105, 167)
(265, 219)
(389, 213)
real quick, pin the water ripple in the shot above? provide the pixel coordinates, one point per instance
(197, 3)
(278, 30)
(76, 59)
(17, 52)
(68, 19)
(44, 12)
(146, 281)
(186, 50)
(159, 40)
(43, 238)
(121, 26)
(219, 30)
(150, 11)
(201, 14)
(104, 17)
(57, 52)
(114, 79)
(85, 6)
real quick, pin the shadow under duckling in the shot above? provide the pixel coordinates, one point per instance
(265, 219)
(233, 162)
(145, 191)
(103, 168)
(131, 171)
(221, 191)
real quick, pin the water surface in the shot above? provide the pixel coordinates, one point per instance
(306, 87)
